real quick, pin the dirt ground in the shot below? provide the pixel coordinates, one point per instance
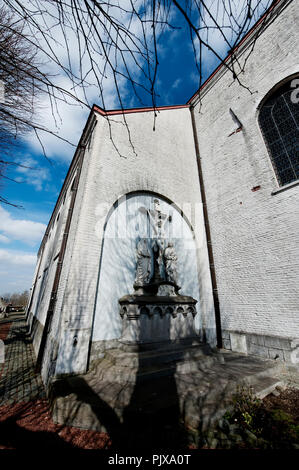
(26, 425)
(287, 401)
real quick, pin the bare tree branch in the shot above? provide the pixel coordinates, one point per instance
(76, 52)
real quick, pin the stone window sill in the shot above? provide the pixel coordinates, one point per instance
(284, 188)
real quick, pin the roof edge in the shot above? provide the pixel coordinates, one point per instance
(80, 146)
(113, 112)
(240, 43)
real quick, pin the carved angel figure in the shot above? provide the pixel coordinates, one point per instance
(170, 260)
(143, 265)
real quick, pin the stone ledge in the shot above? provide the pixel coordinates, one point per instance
(270, 347)
(285, 187)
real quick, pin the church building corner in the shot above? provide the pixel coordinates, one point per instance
(182, 235)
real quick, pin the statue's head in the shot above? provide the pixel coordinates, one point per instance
(157, 204)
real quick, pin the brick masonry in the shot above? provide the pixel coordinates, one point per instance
(254, 233)
(19, 382)
(156, 164)
(269, 347)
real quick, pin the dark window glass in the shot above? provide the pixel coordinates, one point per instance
(279, 122)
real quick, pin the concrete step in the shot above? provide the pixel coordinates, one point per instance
(204, 409)
(193, 353)
(264, 385)
(199, 384)
(120, 366)
(169, 354)
(128, 367)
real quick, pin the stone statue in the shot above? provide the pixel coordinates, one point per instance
(170, 260)
(159, 268)
(143, 267)
(157, 221)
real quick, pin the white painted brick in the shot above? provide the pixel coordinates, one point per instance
(255, 236)
(166, 164)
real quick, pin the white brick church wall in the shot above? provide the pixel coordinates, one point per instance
(45, 273)
(163, 161)
(255, 235)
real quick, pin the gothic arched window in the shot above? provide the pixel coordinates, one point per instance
(279, 123)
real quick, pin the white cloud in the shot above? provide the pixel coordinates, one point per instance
(32, 173)
(16, 270)
(67, 42)
(4, 239)
(230, 17)
(70, 116)
(64, 116)
(13, 257)
(176, 83)
(68, 124)
(26, 231)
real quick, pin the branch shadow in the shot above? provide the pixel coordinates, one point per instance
(151, 420)
(135, 399)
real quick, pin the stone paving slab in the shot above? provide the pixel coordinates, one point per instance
(19, 382)
(112, 393)
(190, 391)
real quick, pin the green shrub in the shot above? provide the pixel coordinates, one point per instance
(260, 427)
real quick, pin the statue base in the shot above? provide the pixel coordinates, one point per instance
(150, 318)
(158, 288)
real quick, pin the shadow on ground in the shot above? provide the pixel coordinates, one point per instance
(154, 406)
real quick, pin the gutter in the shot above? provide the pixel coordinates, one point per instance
(208, 234)
(113, 112)
(33, 290)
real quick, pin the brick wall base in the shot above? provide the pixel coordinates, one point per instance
(269, 347)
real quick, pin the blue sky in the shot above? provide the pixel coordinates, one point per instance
(21, 229)
(37, 189)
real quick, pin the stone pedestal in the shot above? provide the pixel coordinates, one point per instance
(150, 318)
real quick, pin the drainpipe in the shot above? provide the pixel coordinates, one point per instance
(33, 289)
(208, 234)
(59, 267)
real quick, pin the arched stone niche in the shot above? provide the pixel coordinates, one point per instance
(125, 225)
